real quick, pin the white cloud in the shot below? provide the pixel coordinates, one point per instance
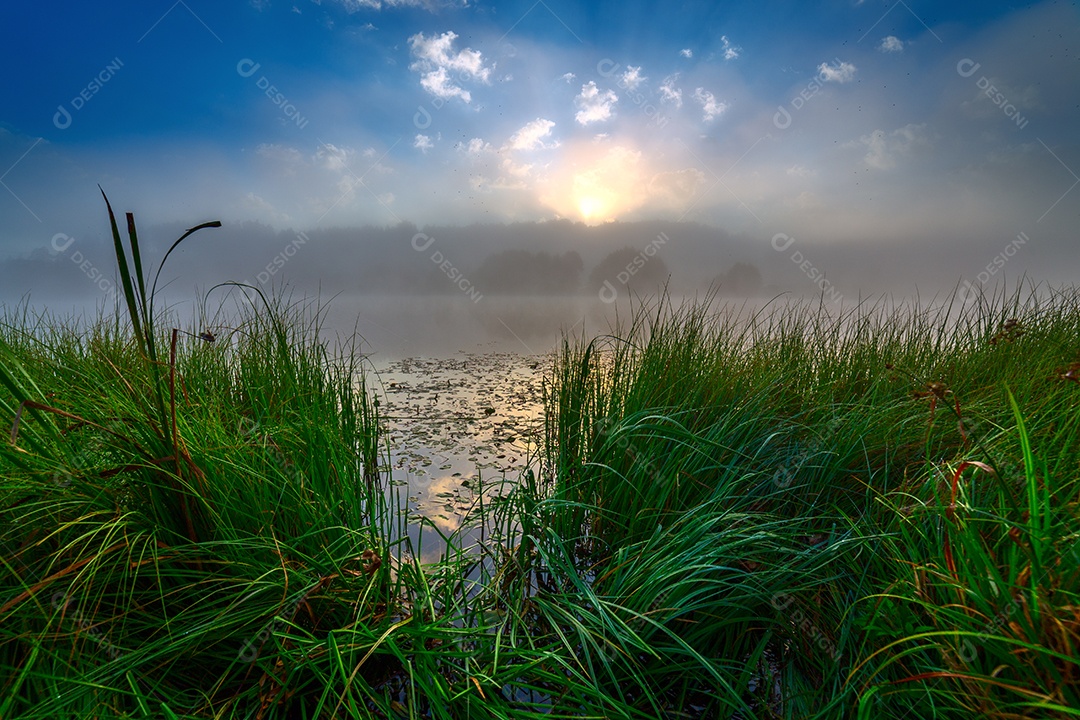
(423, 143)
(594, 105)
(632, 77)
(438, 83)
(709, 104)
(891, 44)
(686, 53)
(883, 150)
(676, 188)
(670, 93)
(286, 157)
(260, 207)
(476, 146)
(352, 6)
(842, 72)
(332, 157)
(531, 137)
(568, 77)
(730, 51)
(436, 60)
(877, 152)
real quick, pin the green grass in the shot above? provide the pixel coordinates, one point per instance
(860, 517)
(887, 499)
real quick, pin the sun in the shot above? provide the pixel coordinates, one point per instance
(596, 183)
(590, 207)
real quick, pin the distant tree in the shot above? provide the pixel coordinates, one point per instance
(741, 279)
(523, 272)
(641, 270)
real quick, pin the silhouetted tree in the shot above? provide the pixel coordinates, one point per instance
(741, 279)
(642, 270)
(522, 272)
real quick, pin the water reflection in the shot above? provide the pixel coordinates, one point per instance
(457, 428)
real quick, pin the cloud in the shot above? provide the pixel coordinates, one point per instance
(332, 157)
(287, 158)
(476, 146)
(709, 104)
(568, 77)
(891, 44)
(259, 207)
(438, 83)
(676, 188)
(423, 143)
(632, 77)
(436, 60)
(598, 184)
(531, 137)
(351, 6)
(883, 150)
(490, 169)
(594, 106)
(686, 53)
(842, 72)
(670, 93)
(730, 51)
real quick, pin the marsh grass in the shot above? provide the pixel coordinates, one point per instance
(887, 500)
(782, 514)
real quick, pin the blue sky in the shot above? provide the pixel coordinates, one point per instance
(863, 122)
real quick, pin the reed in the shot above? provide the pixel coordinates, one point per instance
(780, 513)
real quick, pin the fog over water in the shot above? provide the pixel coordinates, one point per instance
(450, 172)
(511, 287)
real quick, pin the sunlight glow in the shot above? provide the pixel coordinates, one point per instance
(590, 207)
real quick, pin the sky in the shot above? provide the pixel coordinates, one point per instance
(918, 137)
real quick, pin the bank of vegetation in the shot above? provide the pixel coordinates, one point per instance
(784, 514)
